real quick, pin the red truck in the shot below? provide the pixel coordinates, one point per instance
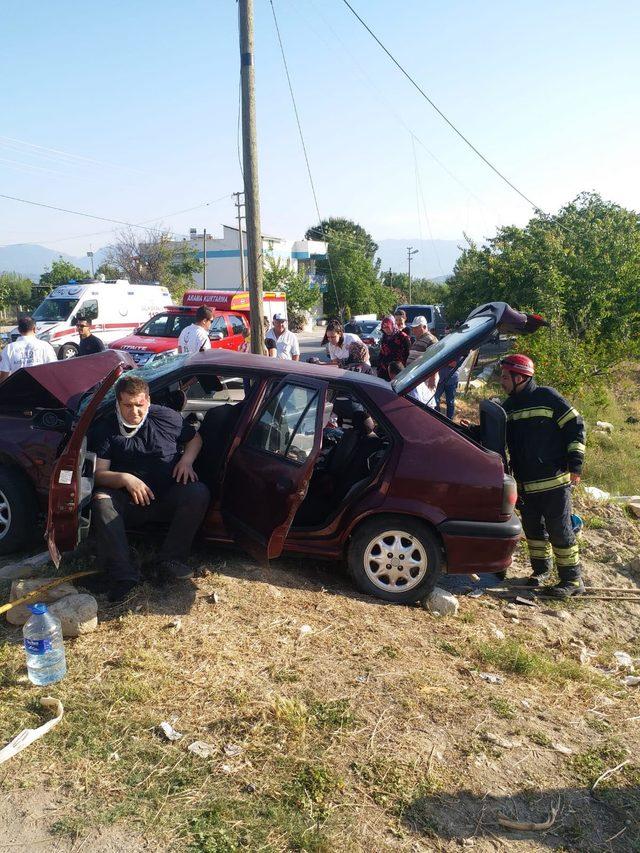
(159, 335)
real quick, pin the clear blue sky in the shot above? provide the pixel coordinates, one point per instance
(148, 93)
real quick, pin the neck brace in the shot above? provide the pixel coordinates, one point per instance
(128, 430)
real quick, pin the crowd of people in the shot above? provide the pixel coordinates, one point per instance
(149, 458)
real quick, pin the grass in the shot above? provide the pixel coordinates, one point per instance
(502, 708)
(513, 657)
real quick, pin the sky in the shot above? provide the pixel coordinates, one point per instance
(130, 111)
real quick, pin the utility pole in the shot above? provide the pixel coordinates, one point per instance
(204, 258)
(250, 168)
(90, 255)
(410, 253)
(239, 205)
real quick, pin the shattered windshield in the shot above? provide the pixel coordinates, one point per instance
(160, 366)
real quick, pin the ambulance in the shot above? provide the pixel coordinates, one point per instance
(114, 307)
(158, 337)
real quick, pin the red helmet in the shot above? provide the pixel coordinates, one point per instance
(518, 363)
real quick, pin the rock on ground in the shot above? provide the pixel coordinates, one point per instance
(19, 615)
(25, 568)
(441, 603)
(78, 614)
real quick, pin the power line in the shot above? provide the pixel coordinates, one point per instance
(503, 177)
(115, 221)
(304, 149)
(59, 154)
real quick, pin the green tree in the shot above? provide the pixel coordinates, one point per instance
(353, 286)
(109, 271)
(302, 294)
(15, 291)
(60, 273)
(154, 258)
(579, 268)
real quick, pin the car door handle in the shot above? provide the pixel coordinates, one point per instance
(284, 485)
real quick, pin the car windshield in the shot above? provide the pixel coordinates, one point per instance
(161, 365)
(460, 341)
(167, 325)
(54, 310)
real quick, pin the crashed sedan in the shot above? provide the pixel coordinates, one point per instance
(319, 461)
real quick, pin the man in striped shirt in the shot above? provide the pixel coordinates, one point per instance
(545, 436)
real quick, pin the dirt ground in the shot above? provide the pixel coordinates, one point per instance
(337, 722)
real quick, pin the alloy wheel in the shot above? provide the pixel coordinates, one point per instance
(395, 561)
(5, 515)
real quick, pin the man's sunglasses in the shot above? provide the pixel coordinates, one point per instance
(82, 326)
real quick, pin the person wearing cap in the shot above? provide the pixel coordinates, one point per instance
(545, 437)
(422, 338)
(280, 342)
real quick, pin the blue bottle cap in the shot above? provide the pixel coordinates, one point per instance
(38, 609)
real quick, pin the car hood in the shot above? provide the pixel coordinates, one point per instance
(138, 343)
(60, 384)
(476, 329)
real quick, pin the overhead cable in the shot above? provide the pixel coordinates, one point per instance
(503, 177)
(304, 149)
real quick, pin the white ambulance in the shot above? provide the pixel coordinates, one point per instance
(115, 308)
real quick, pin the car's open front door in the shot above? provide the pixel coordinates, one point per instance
(72, 480)
(269, 469)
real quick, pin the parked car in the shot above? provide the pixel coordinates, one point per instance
(370, 334)
(401, 504)
(158, 337)
(434, 315)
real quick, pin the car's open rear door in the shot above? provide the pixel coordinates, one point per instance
(72, 480)
(270, 465)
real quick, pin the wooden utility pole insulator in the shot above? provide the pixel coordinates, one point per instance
(250, 167)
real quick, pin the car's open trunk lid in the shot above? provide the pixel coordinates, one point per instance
(60, 384)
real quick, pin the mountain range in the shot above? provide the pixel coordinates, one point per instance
(32, 260)
(435, 258)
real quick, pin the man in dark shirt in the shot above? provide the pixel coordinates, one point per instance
(89, 344)
(138, 480)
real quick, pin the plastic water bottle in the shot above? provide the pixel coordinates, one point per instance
(44, 646)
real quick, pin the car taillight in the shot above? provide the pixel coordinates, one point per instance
(509, 495)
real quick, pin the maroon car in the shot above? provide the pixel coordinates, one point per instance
(319, 461)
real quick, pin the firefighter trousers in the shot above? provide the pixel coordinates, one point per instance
(546, 519)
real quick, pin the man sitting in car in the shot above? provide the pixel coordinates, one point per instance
(139, 480)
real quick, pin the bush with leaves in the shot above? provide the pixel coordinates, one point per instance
(302, 294)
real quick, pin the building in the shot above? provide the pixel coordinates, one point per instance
(222, 256)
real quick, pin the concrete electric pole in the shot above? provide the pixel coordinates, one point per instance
(239, 206)
(250, 167)
(204, 258)
(410, 253)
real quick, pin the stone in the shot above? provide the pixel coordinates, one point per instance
(441, 603)
(634, 508)
(563, 615)
(596, 494)
(605, 426)
(78, 614)
(634, 565)
(613, 557)
(25, 568)
(18, 615)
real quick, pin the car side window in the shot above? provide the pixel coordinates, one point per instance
(237, 325)
(287, 426)
(218, 327)
(89, 309)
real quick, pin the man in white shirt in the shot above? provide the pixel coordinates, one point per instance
(26, 351)
(280, 342)
(195, 338)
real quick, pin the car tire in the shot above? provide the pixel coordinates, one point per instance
(414, 567)
(18, 510)
(67, 351)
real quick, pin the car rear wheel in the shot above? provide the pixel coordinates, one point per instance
(68, 351)
(395, 557)
(18, 510)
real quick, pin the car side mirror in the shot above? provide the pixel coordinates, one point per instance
(137, 331)
(215, 336)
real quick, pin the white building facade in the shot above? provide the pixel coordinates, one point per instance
(222, 257)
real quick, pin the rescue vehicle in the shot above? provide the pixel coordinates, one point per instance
(159, 337)
(114, 307)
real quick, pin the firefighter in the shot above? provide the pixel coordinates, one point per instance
(545, 437)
